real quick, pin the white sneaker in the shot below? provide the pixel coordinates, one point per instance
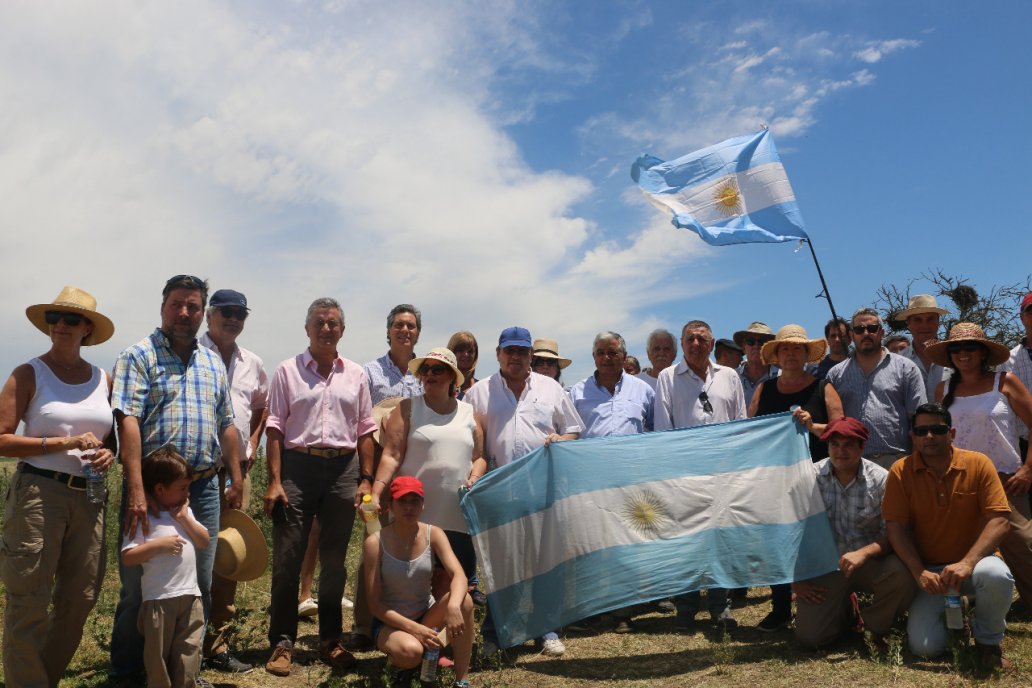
(345, 603)
(307, 608)
(553, 647)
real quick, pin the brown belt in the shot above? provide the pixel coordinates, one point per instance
(206, 474)
(323, 452)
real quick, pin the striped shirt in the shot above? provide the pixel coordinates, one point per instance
(185, 404)
(854, 509)
(386, 380)
(884, 400)
(1020, 363)
(933, 374)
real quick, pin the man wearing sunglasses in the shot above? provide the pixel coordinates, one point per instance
(1020, 363)
(249, 388)
(946, 513)
(880, 389)
(754, 372)
(698, 392)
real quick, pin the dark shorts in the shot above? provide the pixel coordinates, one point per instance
(379, 625)
(462, 545)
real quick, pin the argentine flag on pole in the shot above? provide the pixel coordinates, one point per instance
(581, 527)
(735, 192)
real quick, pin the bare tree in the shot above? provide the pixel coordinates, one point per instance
(996, 311)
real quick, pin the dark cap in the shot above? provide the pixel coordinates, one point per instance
(228, 297)
(730, 344)
(404, 484)
(847, 427)
(514, 336)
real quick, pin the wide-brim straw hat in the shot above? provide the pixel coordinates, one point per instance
(241, 553)
(756, 329)
(380, 413)
(442, 354)
(967, 332)
(922, 303)
(549, 348)
(73, 300)
(793, 334)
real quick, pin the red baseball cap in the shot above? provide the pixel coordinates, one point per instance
(847, 427)
(1027, 301)
(404, 484)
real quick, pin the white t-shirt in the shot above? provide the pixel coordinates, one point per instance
(167, 575)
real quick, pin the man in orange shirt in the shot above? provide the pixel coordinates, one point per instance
(946, 512)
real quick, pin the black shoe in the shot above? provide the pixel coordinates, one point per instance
(227, 664)
(359, 642)
(479, 598)
(665, 607)
(774, 621)
(684, 621)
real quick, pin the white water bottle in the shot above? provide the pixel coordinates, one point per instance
(954, 612)
(428, 670)
(369, 515)
(96, 490)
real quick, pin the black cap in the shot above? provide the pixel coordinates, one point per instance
(730, 344)
(228, 297)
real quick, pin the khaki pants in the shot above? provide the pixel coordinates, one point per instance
(1016, 546)
(223, 590)
(172, 629)
(887, 579)
(52, 552)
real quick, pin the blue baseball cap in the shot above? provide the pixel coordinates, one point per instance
(514, 336)
(228, 297)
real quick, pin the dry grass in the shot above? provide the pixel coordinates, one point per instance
(655, 655)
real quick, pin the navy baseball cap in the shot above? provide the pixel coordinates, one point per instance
(228, 297)
(730, 344)
(514, 336)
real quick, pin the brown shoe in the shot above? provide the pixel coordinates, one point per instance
(359, 642)
(991, 658)
(333, 653)
(279, 662)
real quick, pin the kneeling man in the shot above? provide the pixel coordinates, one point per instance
(946, 513)
(852, 488)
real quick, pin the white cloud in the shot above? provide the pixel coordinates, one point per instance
(876, 50)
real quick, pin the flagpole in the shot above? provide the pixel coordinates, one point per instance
(824, 285)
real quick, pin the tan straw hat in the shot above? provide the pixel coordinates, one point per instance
(549, 348)
(793, 334)
(242, 553)
(967, 332)
(922, 303)
(380, 413)
(73, 300)
(757, 329)
(442, 354)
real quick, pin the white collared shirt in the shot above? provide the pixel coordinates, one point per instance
(248, 388)
(515, 427)
(677, 396)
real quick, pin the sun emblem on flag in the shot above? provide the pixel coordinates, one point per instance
(728, 198)
(645, 513)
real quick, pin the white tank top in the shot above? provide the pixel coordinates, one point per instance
(440, 454)
(58, 409)
(986, 423)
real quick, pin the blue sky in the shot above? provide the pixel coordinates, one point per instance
(473, 158)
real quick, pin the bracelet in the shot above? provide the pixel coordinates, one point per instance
(382, 481)
(44, 444)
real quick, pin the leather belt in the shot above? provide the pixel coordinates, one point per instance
(206, 474)
(323, 452)
(75, 482)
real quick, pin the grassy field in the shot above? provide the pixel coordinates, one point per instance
(655, 655)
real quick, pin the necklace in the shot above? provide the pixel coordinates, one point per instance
(66, 368)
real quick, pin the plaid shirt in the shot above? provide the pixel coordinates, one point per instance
(386, 380)
(187, 405)
(854, 509)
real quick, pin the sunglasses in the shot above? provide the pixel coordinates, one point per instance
(922, 430)
(426, 369)
(869, 329)
(235, 312)
(706, 405)
(751, 341)
(544, 362)
(70, 319)
(969, 347)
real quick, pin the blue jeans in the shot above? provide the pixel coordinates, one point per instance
(992, 586)
(126, 641)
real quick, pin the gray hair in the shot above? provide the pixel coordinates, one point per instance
(405, 308)
(697, 325)
(324, 302)
(865, 311)
(606, 336)
(655, 334)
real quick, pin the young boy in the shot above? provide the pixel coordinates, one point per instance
(171, 618)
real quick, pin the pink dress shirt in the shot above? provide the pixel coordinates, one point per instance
(312, 411)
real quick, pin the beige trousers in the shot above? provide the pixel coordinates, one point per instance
(223, 590)
(172, 630)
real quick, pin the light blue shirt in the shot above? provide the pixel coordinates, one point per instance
(626, 412)
(386, 380)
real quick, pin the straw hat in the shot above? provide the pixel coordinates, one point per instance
(967, 332)
(757, 329)
(73, 300)
(380, 413)
(549, 348)
(442, 354)
(922, 303)
(793, 334)
(242, 553)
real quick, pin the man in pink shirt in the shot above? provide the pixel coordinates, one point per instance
(320, 455)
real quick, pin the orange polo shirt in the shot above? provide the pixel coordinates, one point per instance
(945, 515)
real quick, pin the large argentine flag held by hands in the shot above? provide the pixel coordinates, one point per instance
(586, 526)
(736, 192)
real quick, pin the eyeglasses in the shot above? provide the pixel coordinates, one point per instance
(922, 430)
(235, 312)
(544, 362)
(969, 347)
(609, 354)
(752, 341)
(701, 338)
(706, 405)
(869, 329)
(70, 319)
(427, 369)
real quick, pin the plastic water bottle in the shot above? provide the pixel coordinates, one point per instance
(428, 670)
(369, 515)
(96, 490)
(954, 612)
